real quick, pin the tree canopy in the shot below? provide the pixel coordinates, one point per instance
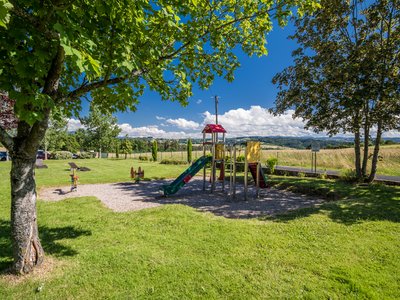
(57, 53)
(345, 76)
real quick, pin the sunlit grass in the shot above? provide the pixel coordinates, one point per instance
(343, 249)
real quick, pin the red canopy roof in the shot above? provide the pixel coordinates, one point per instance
(211, 128)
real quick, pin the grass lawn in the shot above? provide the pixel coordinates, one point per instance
(343, 249)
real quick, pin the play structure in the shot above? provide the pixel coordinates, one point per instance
(252, 163)
(137, 175)
(74, 180)
(214, 141)
(210, 141)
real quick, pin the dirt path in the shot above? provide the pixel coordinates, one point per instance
(129, 196)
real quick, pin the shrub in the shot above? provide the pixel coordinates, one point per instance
(189, 151)
(62, 155)
(173, 162)
(271, 164)
(86, 155)
(143, 158)
(154, 150)
(240, 158)
(323, 175)
(349, 175)
(301, 174)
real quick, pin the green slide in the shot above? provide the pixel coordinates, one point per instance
(185, 176)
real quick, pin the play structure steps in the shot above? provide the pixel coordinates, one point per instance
(261, 177)
(184, 178)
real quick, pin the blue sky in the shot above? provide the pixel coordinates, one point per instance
(240, 102)
(242, 108)
(252, 86)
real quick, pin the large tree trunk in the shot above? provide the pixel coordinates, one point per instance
(366, 141)
(357, 152)
(375, 156)
(27, 250)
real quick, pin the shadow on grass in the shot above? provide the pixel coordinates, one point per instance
(48, 237)
(361, 203)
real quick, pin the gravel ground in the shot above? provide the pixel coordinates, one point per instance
(128, 196)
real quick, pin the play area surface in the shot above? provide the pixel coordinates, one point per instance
(128, 196)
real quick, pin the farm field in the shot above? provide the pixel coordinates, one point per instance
(337, 159)
(342, 249)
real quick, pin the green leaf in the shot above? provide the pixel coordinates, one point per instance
(5, 8)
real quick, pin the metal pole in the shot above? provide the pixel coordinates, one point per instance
(315, 164)
(312, 161)
(216, 109)
(245, 174)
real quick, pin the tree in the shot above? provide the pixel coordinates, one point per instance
(345, 76)
(101, 130)
(54, 54)
(117, 145)
(126, 147)
(154, 150)
(189, 151)
(57, 137)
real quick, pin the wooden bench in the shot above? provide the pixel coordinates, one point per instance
(75, 166)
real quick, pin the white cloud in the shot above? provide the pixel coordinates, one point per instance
(150, 131)
(259, 121)
(74, 125)
(183, 124)
(255, 121)
(199, 101)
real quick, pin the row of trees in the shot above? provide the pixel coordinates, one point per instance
(345, 76)
(100, 133)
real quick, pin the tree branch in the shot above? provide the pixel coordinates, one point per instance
(97, 84)
(83, 89)
(173, 54)
(53, 76)
(6, 139)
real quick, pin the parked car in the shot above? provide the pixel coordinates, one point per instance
(4, 155)
(41, 154)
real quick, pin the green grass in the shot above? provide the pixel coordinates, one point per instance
(343, 249)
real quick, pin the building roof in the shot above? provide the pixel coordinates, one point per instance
(211, 128)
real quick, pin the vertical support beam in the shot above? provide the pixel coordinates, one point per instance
(234, 172)
(223, 161)
(230, 171)
(258, 180)
(204, 168)
(213, 162)
(246, 170)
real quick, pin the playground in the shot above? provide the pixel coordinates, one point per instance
(221, 195)
(128, 196)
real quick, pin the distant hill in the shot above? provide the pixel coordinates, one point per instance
(298, 142)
